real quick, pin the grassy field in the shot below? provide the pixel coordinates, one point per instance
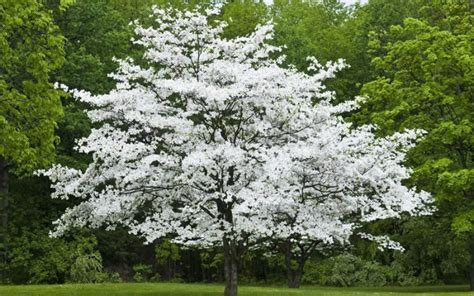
(216, 290)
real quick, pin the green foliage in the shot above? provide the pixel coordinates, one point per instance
(242, 17)
(183, 5)
(167, 251)
(211, 261)
(167, 255)
(34, 256)
(309, 28)
(87, 263)
(426, 81)
(96, 31)
(142, 272)
(257, 268)
(371, 22)
(64, 4)
(327, 31)
(433, 260)
(113, 277)
(30, 49)
(37, 259)
(379, 15)
(348, 270)
(156, 278)
(74, 125)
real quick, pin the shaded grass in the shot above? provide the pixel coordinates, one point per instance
(168, 289)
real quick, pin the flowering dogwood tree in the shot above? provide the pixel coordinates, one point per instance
(212, 140)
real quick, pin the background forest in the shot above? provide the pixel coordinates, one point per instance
(412, 59)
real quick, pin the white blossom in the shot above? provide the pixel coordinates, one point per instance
(212, 138)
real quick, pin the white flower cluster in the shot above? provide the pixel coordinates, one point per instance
(212, 138)
(383, 241)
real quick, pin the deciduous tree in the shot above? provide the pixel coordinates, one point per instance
(426, 81)
(212, 138)
(30, 48)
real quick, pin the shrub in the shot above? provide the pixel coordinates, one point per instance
(155, 278)
(113, 277)
(87, 266)
(176, 279)
(35, 258)
(348, 270)
(142, 273)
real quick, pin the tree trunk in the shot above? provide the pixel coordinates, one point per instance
(230, 267)
(471, 267)
(294, 279)
(3, 218)
(294, 273)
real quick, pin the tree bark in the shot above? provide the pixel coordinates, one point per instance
(3, 217)
(230, 267)
(294, 274)
(471, 267)
(294, 279)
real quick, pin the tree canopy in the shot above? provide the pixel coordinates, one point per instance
(425, 81)
(31, 47)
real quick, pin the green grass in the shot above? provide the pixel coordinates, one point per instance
(166, 289)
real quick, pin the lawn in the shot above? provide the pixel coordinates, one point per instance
(216, 290)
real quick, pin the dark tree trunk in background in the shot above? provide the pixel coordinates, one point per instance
(471, 267)
(3, 218)
(230, 267)
(293, 273)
